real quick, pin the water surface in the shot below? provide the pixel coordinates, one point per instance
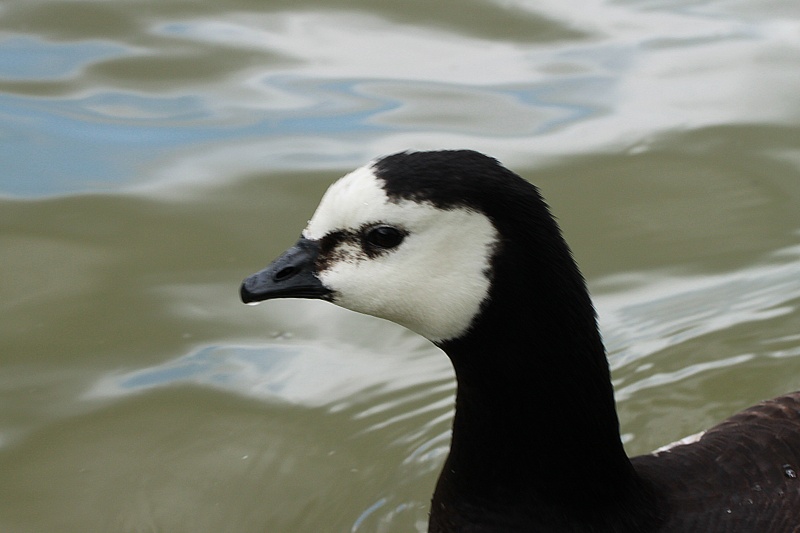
(155, 154)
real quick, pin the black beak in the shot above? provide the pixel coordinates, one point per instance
(292, 275)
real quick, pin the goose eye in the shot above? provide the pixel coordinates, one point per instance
(384, 236)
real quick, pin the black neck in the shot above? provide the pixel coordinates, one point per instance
(535, 429)
(541, 414)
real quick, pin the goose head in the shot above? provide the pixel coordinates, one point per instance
(403, 238)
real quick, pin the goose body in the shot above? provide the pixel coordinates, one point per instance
(463, 251)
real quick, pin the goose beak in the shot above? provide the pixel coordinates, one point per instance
(292, 275)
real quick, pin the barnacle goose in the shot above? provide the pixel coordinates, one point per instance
(463, 251)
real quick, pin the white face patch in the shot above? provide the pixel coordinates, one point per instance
(432, 283)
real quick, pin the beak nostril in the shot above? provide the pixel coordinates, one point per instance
(291, 275)
(285, 273)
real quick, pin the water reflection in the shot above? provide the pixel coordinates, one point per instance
(666, 311)
(306, 374)
(107, 106)
(138, 393)
(25, 57)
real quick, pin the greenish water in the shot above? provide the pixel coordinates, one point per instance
(154, 154)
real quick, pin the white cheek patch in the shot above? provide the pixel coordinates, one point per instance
(433, 283)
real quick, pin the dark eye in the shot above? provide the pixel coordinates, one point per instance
(384, 236)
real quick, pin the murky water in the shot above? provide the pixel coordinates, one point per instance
(153, 154)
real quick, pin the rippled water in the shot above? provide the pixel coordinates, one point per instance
(156, 153)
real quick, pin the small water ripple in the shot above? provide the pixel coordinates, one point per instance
(664, 311)
(305, 374)
(26, 57)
